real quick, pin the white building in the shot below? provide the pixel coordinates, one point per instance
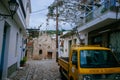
(12, 36)
(100, 25)
(66, 40)
(103, 15)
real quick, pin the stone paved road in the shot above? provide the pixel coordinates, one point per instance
(39, 70)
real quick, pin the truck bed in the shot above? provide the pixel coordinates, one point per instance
(63, 62)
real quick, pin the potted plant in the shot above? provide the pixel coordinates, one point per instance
(23, 61)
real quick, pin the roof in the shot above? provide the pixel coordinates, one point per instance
(67, 34)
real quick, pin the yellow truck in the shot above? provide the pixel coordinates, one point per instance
(89, 63)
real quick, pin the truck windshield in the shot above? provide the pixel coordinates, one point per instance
(97, 59)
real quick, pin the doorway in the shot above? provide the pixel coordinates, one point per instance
(4, 55)
(49, 55)
(114, 43)
(69, 46)
(40, 52)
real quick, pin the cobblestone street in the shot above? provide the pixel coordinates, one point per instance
(38, 70)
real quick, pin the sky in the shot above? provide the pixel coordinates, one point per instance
(39, 12)
(38, 16)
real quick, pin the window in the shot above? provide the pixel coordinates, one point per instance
(75, 41)
(48, 47)
(22, 7)
(97, 59)
(40, 45)
(40, 52)
(16, 45)
(74, 57)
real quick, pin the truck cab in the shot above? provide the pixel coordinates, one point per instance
(90, 63)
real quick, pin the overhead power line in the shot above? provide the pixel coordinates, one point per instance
(39, 10)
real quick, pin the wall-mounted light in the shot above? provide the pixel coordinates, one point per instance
(13, 6)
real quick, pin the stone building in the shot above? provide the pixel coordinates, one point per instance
(29, 50)
(44, 47)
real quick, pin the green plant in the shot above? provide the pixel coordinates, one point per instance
(103, 10)
(23, 61)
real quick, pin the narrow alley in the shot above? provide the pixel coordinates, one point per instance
(84, 35)
(38, 70)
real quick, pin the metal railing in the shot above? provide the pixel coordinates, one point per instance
(97, 12)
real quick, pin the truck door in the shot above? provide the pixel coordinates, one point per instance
(73, 67)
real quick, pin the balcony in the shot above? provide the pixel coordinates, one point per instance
(99, 17)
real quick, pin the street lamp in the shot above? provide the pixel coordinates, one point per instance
(13, 6)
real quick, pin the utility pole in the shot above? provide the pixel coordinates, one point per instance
(57, 32)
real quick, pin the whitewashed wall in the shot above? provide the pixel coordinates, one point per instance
(66, 52)
(12, 57)
(16, 25)
(1, 37)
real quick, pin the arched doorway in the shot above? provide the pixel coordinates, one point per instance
(49, 55)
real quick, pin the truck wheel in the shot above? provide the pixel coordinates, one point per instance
(71, 78)
(61, 73)
(60, 70)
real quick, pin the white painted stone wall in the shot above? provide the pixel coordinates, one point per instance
(66, 49)
(16, 25)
